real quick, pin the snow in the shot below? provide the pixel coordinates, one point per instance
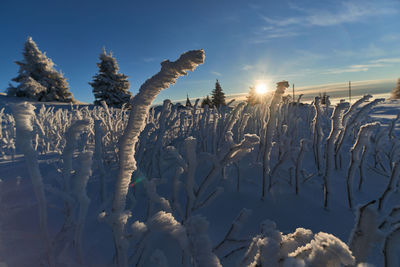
(182, 205)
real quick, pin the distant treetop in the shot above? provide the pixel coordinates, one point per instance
(109, 85)
(37, 77)
(188, 103)
(396, 91)
(218, 96)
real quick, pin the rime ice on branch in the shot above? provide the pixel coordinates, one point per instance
(168, 74)
(23, 113)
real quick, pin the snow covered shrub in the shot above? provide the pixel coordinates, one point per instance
(38, 79)
(168, 74)
(109, 85)
(376, 226)
(358, 152)
(23, 113)
(301, 248)
(330, 148)
(8, 135)
(199, 196)
(269, 129)
(354, 115)
(396, 91)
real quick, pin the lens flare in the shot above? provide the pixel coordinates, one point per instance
(261, 88)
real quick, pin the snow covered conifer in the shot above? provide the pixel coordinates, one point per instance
(109, 85)
(396, 90)
(188, 103)
(37, 77)
(218, 96)
(206, 101)
(252, 98)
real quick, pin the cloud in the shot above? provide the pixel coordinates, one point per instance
(386, 60)
(376, 63)
(350, 12)
(391, 37)
(346, 12)
(283, 22)
(371, 51)
(216, 73)
(149, 59)
(267, 33)
(331, 87)
(345, 70)
(248, 67)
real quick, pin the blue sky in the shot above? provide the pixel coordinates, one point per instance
(305, 42)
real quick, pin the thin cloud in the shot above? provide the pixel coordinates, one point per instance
(149, 59)
(391, 37)
(345, 70)
(248, 67)
(216, 73)
(268, 33)
(283, 22)
(376, 63)
(386, 60)
(371, 51)
(348, 12)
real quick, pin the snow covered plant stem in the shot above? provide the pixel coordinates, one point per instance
(269, 134)
(349, 113)
(98, 157)
(356, 156)
(23, 113)
(168, 74)
(299, 162)
(79, 184)
(330, 147)
(317, 133)
(71, 136)
(390, 249)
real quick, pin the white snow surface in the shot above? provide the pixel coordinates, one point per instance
(294, 228)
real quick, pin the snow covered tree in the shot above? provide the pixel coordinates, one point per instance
(396, 91)
(37, 77)
(206, 101)
(109, 85)
(218, 96)
(188, 103)
(252, 98)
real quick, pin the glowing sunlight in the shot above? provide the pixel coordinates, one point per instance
(261, 88)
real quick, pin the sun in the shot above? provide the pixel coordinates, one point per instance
(261, 88)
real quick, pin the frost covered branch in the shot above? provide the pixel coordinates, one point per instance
(23, 113)
(168, 74)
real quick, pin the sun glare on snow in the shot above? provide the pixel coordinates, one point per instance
(261, 88)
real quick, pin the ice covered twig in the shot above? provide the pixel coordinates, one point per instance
(317, 133)
(303, 149)
(362, 141)
(365, 232)
(200, 244)
(336, 123)
(168, 74)
(71, 136)
(347, 115)
(23, 113)
(235, 228)
(79, 189)
(390, 249)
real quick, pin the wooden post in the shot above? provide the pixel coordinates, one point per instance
(350, 92)
(293, 93)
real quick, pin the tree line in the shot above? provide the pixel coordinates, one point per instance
(39, 80)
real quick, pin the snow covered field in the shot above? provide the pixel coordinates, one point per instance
(231, 186)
